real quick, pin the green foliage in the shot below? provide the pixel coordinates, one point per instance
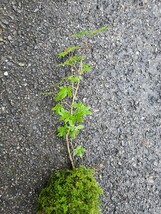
(70, 120)
(70, 129)
(74, 79)
(79, 151)
(72, 61)
(86, 67)
(96, 31)
(68, 50)
(70, 192)
(81, 33)
(63, 92)
(69, 111)
(90, 32)
(62, 131)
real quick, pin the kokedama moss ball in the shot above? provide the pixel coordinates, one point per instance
(70, 192)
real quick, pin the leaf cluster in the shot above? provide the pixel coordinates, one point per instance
(68, 50)
(79, 150)
(70, 192)
(72, 60)
(71, 119)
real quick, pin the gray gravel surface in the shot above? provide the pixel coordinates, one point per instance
(122, 137)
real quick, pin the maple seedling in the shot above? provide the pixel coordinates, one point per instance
(69, 111)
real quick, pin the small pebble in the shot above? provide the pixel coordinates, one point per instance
(9, 38)
(21, 64)
(5, 73)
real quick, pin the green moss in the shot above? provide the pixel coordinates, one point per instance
(70, 192)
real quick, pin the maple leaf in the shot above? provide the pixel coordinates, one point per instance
(99, 30)
(58, 108)
(68, 50)
(74, 131)
(62, 131)
(66, 116)
(86, 67)
(81, 111)
(79, 151)
(81, 33)
(63, 92)
(74, 79)
(72, 60)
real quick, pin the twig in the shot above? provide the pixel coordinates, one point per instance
(69, 152)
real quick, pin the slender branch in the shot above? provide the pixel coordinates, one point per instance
(73, 100)
(76, 91)
(71, 144)
(71, 108)
(77, 87)
(69, 152)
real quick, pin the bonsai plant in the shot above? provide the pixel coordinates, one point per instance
(75, 190)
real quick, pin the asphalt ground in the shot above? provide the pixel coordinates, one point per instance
(123, 136)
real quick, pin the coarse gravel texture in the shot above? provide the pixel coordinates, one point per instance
(122, 137)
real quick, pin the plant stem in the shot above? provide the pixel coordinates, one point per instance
(69, 152)
(71, 110)
(77, 87)
(75, 94)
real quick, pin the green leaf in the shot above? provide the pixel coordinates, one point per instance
(81, 33)
(79, 151)
(81, 111)
(74, 79)
(74, 130)
(62, 54)
(58, 108)
(68, 50)
(72, 48)
(73, 133)
(63, 92)
(90, 32)
(93, 32)
(72, 60)
(66, 116)
(62, 131)
(79, 127)
(86, 67)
